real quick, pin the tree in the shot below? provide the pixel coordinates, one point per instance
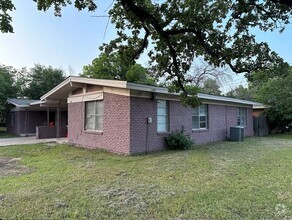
(211, 87)
(139, 74)
(116, 66)
(179, 31)
(275, 92)
(107, 66)
(7, 87)
(277, 95)
(241, 92)
(202, 71)
(40, 80)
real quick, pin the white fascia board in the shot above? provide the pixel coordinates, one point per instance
(155, 89)
(37, 102)
(84, 80)
(100, 82)
(147, 88)
(56, 88)
(227, 99)
(260, 106)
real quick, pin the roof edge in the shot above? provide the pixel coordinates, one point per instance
(78, 79)
(141, 87)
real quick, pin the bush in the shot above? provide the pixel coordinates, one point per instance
(178, 140)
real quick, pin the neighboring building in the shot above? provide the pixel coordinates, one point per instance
(258, 110)
(131, 118)
(260, 121)
(25, 116)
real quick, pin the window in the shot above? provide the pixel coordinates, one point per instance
(12, 118)
(94, 115)
(200, 117)
(162, 116)
(241, 116)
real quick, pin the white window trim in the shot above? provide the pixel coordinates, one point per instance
(239, 116)
(165, 115)
(95, 114)
(207, 118)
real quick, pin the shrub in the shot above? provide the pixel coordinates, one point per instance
(178, 140)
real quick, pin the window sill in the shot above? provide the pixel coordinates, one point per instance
(162, 132)
(93, 132)
(200, 130)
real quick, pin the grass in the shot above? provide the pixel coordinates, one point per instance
(226, 180)
(5, 134)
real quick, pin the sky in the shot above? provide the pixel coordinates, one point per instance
(72, 41)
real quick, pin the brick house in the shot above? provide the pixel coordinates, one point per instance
(132, 118)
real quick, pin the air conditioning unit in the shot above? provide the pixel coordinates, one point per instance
(237, 133)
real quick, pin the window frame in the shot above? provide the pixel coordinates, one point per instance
(95, 115)
(241, 116)
(12, 119)
(198, 115)
(165, 115)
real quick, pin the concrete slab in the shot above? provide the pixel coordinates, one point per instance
(29, 140)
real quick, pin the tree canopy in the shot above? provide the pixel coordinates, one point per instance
(107, 66)
(241, 92)
(211, 87)
(275, 91)
(7, 87)
(115, 66)
(41, 79)
(175, 32)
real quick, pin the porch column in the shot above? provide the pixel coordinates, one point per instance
(48, 116)
(58, 121)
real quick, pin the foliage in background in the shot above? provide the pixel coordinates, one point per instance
(117, 66)
(210, 86)
(178, 140)
(7, 87)
(179, 31)
(25, 83)
(241, 92)
(273, 88)
(277, 94)
(41, 79)
(107, 66)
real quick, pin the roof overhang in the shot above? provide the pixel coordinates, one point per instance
(16, 105)
(62, 91)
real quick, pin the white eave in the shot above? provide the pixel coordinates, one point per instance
(155, 89)
(74, 82)
(71, 81)
(37, 102)
(227, 99)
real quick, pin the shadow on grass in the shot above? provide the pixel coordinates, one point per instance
(287, 135)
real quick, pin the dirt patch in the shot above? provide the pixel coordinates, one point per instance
(12, 167)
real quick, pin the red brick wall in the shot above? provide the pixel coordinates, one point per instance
(221, 118)
(122, 135)
(50, 132)
(116, 128)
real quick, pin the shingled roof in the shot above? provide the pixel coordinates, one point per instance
(21, 102)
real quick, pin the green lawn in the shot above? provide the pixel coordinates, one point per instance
(227, 180)
(4, 134)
